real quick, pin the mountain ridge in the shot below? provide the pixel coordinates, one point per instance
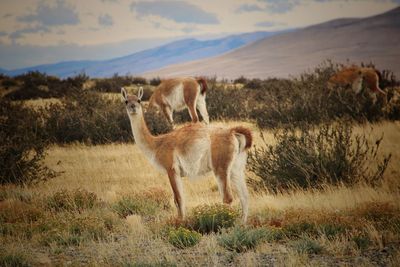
(374, 38)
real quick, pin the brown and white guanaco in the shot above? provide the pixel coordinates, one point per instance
(179, 93)
(194, 150)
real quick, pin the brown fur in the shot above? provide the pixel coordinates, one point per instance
(190, 93)
(347, 76)
(247, 134)
(203, 84)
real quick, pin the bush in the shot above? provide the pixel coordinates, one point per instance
(23, 145)
(8, 82)
(241, 80)
(241, 239)
(77, 200)
(88, 117)
(112, 85)
(227, 103)
(183, 238)
(139, 81)
(207, 219)
(155, 81)
(311, 157)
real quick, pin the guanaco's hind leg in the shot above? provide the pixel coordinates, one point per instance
(193, 113)
(168, 113)
(176, 185)
(224, 186)
(201, 105)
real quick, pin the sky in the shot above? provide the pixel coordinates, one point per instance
(41, 31)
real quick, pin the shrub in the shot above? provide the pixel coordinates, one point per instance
(307, 245)
(86, 116)
(183, 238)
(206, 219)
(310, 157)
(241, 239)
(139, 81)
(227, 103)
(112, 85)
(8, 82)
(76, 200)
(241, 80)
(155, 81)
(22, 147)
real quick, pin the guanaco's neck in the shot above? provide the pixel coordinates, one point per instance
(143, 138)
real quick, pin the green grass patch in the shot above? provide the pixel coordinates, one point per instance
(183, 238)
(307, 245)
(14, 259)
(241, 239)
(207, 219)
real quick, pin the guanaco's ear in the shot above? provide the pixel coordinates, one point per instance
(124, 94)
(140, 93)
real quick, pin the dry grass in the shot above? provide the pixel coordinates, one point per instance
(115, 170)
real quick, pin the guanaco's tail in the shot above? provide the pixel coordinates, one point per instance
(203, 85)
(243, 132)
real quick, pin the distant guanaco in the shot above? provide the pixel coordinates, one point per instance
(355, 76)
(194, 150)
(179, 93)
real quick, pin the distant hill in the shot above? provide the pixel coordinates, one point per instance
(172, 53)
(375, 39)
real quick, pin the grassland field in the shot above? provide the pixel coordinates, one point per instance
(367, 218)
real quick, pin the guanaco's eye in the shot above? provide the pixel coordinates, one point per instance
(138, 101)
(126, 102)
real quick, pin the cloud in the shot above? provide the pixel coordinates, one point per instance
(269, 24)
(248, 8)
(180, 12)
(105, 20)
(280, 6)
(60, 14)
(19, 33)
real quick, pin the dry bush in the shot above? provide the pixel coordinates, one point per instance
(86, 116)
(112, 85)
(311, 157)
(23, 145)
(39, 85)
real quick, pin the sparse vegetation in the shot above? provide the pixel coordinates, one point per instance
(309, 157)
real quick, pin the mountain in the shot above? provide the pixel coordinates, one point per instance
(172, 53)
(375, 39)
(62, 69)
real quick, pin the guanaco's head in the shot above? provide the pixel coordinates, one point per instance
(132, 102)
